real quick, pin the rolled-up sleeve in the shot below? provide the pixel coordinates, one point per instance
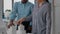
(14, 12)
(29, 18)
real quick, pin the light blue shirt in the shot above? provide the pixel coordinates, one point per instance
(21, 10)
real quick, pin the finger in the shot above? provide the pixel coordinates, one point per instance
(13, 24)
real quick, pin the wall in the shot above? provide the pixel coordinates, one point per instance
(57, 16)
(2, 26)
(0, 11)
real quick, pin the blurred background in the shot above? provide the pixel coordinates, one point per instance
(6, 8)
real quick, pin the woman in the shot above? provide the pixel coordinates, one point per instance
(41, 18)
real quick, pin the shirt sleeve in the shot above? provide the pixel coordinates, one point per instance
(32, 7)
(29, 18)
(48, 19)
(14, 11)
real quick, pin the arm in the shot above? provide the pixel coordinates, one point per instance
(48, 19)
(13, 15)
(29, 18)
(14, 12)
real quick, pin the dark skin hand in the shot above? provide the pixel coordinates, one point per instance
(11, 24)
(19, 21)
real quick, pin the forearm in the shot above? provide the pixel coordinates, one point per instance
(11, 21)
(29, 18)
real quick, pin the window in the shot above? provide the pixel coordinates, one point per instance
(7, 7)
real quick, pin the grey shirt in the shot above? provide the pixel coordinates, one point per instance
(41, 19)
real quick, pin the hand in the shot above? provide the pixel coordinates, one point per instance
(20, 21)
(29, 28)
(11, 23)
